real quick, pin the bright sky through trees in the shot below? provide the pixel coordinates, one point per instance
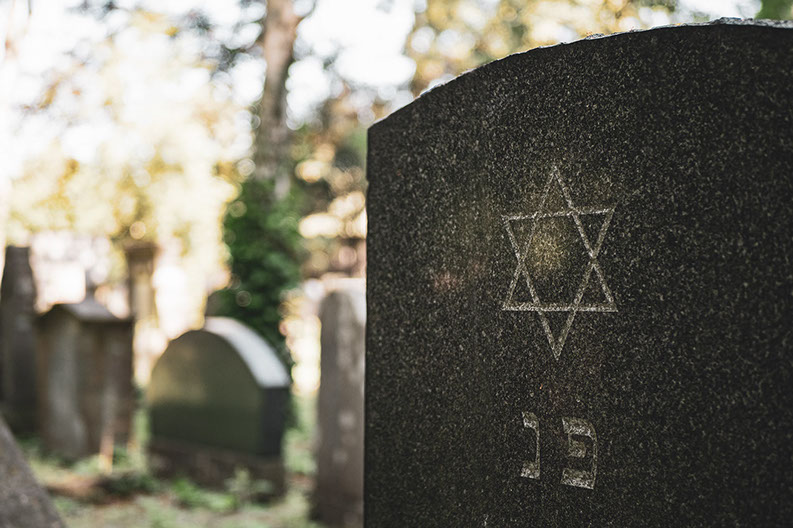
(367, 36)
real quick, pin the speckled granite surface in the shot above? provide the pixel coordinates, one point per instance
(580, 288)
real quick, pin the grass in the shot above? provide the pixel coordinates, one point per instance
(131, 497)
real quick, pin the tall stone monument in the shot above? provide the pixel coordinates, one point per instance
(149, 340)
(17, 340)
(338, 498)
(580, 288)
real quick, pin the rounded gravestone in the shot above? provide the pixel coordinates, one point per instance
(580, 288)
(217, 400)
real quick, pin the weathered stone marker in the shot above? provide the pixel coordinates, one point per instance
(17, 340)
(217, 400)
(338, 498)
(86, 398)
(580, 288)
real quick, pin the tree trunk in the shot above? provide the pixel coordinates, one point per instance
(271, 155)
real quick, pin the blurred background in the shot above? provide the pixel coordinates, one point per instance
(183, 207)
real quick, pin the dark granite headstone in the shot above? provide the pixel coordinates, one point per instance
(580, 288)
(217, 401)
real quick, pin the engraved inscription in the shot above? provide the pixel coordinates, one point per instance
(531, 469)
(582, 445)
(592, 247)
(576, 429)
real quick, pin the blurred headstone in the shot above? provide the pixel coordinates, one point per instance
(580, 288)
(17, 340)
(86, 397)
(23, 503)
(338, 498)
(218, 401)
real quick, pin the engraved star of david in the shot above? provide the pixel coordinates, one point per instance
(521, 271)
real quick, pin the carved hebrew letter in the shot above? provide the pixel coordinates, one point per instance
(532, 469)
(578, 449)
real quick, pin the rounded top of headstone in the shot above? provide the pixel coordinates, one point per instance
(257, 353)
(714, 26)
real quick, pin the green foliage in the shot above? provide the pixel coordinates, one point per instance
(776, 9)
(188, 495)
(130, 497)
(245, 490)
(241, 490)
(159, 515)
(132, 483)
(66, 506)
(261, 232)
